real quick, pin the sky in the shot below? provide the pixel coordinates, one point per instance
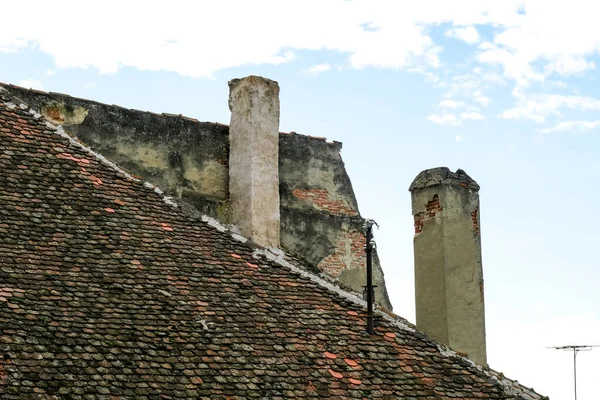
(506, 90)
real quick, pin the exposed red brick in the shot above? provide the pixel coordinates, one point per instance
(349, 253)
(321, 199)
(475, 219)
(432, 209)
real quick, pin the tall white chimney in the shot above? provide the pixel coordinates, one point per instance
(254, 158)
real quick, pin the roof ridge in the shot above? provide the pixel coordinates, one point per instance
(277, 255)
(162, 114)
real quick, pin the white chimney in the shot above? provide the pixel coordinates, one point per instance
(254, 158)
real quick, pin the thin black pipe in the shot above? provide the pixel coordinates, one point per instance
(369, 249)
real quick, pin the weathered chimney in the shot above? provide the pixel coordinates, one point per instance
(254, 158)
(448, 270)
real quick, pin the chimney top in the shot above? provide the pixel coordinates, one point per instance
(251, 78)
(254, 81)
(443, 176)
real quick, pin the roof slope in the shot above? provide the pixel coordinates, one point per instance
(107, 291)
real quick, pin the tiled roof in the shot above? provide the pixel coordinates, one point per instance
(109, 291)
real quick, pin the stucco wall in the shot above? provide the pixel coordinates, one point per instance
(319, 213)
(320, 222)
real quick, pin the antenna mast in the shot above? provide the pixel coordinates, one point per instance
(575, 349)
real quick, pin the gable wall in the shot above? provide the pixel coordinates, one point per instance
(188, 159)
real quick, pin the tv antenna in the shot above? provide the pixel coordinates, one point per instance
(575, 349)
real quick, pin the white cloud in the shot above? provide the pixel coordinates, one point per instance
(552, 84)
(470, 86)
(31, 84)
(517, 67)
(458, 138)
(533, 41)
(467, 34)
(559, 34)
(567, 65)
(167, 39)
(549, 38)
(51, 72)
(444, 119)
(538, 107)
(481, 99)
(367, 31)
(447, 118)
(571, 126)
(315, 69)
(451, 104)
(11, 43)
(471, 115)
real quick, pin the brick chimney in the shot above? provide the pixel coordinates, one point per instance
(254, 158)
(448, 269)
